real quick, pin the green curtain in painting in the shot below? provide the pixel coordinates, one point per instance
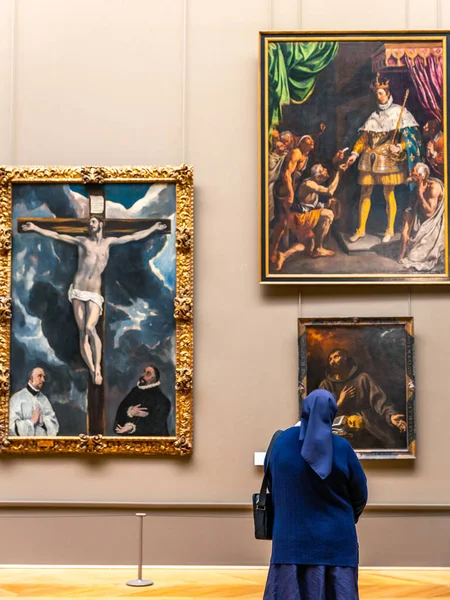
(293, 69)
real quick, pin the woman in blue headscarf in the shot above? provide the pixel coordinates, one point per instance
(319, 491)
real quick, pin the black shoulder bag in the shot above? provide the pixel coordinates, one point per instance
(262, 502)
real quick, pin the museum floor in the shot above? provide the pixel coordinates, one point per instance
(197, 583)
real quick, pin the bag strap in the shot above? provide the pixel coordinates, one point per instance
(263, 492)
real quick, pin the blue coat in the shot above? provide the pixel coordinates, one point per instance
(314, 522)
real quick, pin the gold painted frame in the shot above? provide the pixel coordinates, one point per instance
(182, 177)
(266, 274)
(308, 361)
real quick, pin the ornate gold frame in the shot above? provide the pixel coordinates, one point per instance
(181, 443)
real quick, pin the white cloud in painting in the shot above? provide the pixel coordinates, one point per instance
(30, 334)
(136, 313)
(115, 210)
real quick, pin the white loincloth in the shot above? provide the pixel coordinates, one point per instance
(86, 297)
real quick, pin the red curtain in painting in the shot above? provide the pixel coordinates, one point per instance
(427, 76)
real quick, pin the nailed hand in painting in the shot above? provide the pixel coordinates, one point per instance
(85, 292)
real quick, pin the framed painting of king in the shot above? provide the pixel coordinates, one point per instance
(96, 309)
(354, 157)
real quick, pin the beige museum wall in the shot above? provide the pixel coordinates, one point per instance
(101, 82)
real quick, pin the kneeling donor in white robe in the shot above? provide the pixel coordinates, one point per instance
(30, 412)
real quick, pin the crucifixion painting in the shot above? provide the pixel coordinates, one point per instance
(93, 282)
(85, 291)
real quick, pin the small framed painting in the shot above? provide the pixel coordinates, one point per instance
(368, 365)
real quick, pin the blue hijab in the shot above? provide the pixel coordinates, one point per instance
(318, 412)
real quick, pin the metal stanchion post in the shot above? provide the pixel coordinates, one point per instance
(139, 582)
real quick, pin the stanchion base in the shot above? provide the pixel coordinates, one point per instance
(139, 582)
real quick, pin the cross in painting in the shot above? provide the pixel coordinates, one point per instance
(87, 293)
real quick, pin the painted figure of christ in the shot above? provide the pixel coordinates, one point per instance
(85, 291)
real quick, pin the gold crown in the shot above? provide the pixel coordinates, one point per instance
(379, 83)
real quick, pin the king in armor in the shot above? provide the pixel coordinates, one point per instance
(388, 147)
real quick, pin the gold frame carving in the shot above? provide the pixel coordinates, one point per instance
(182, 443)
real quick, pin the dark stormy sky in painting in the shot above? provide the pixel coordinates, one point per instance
(140, 286)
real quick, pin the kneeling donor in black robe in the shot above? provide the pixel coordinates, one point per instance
(144, 411)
